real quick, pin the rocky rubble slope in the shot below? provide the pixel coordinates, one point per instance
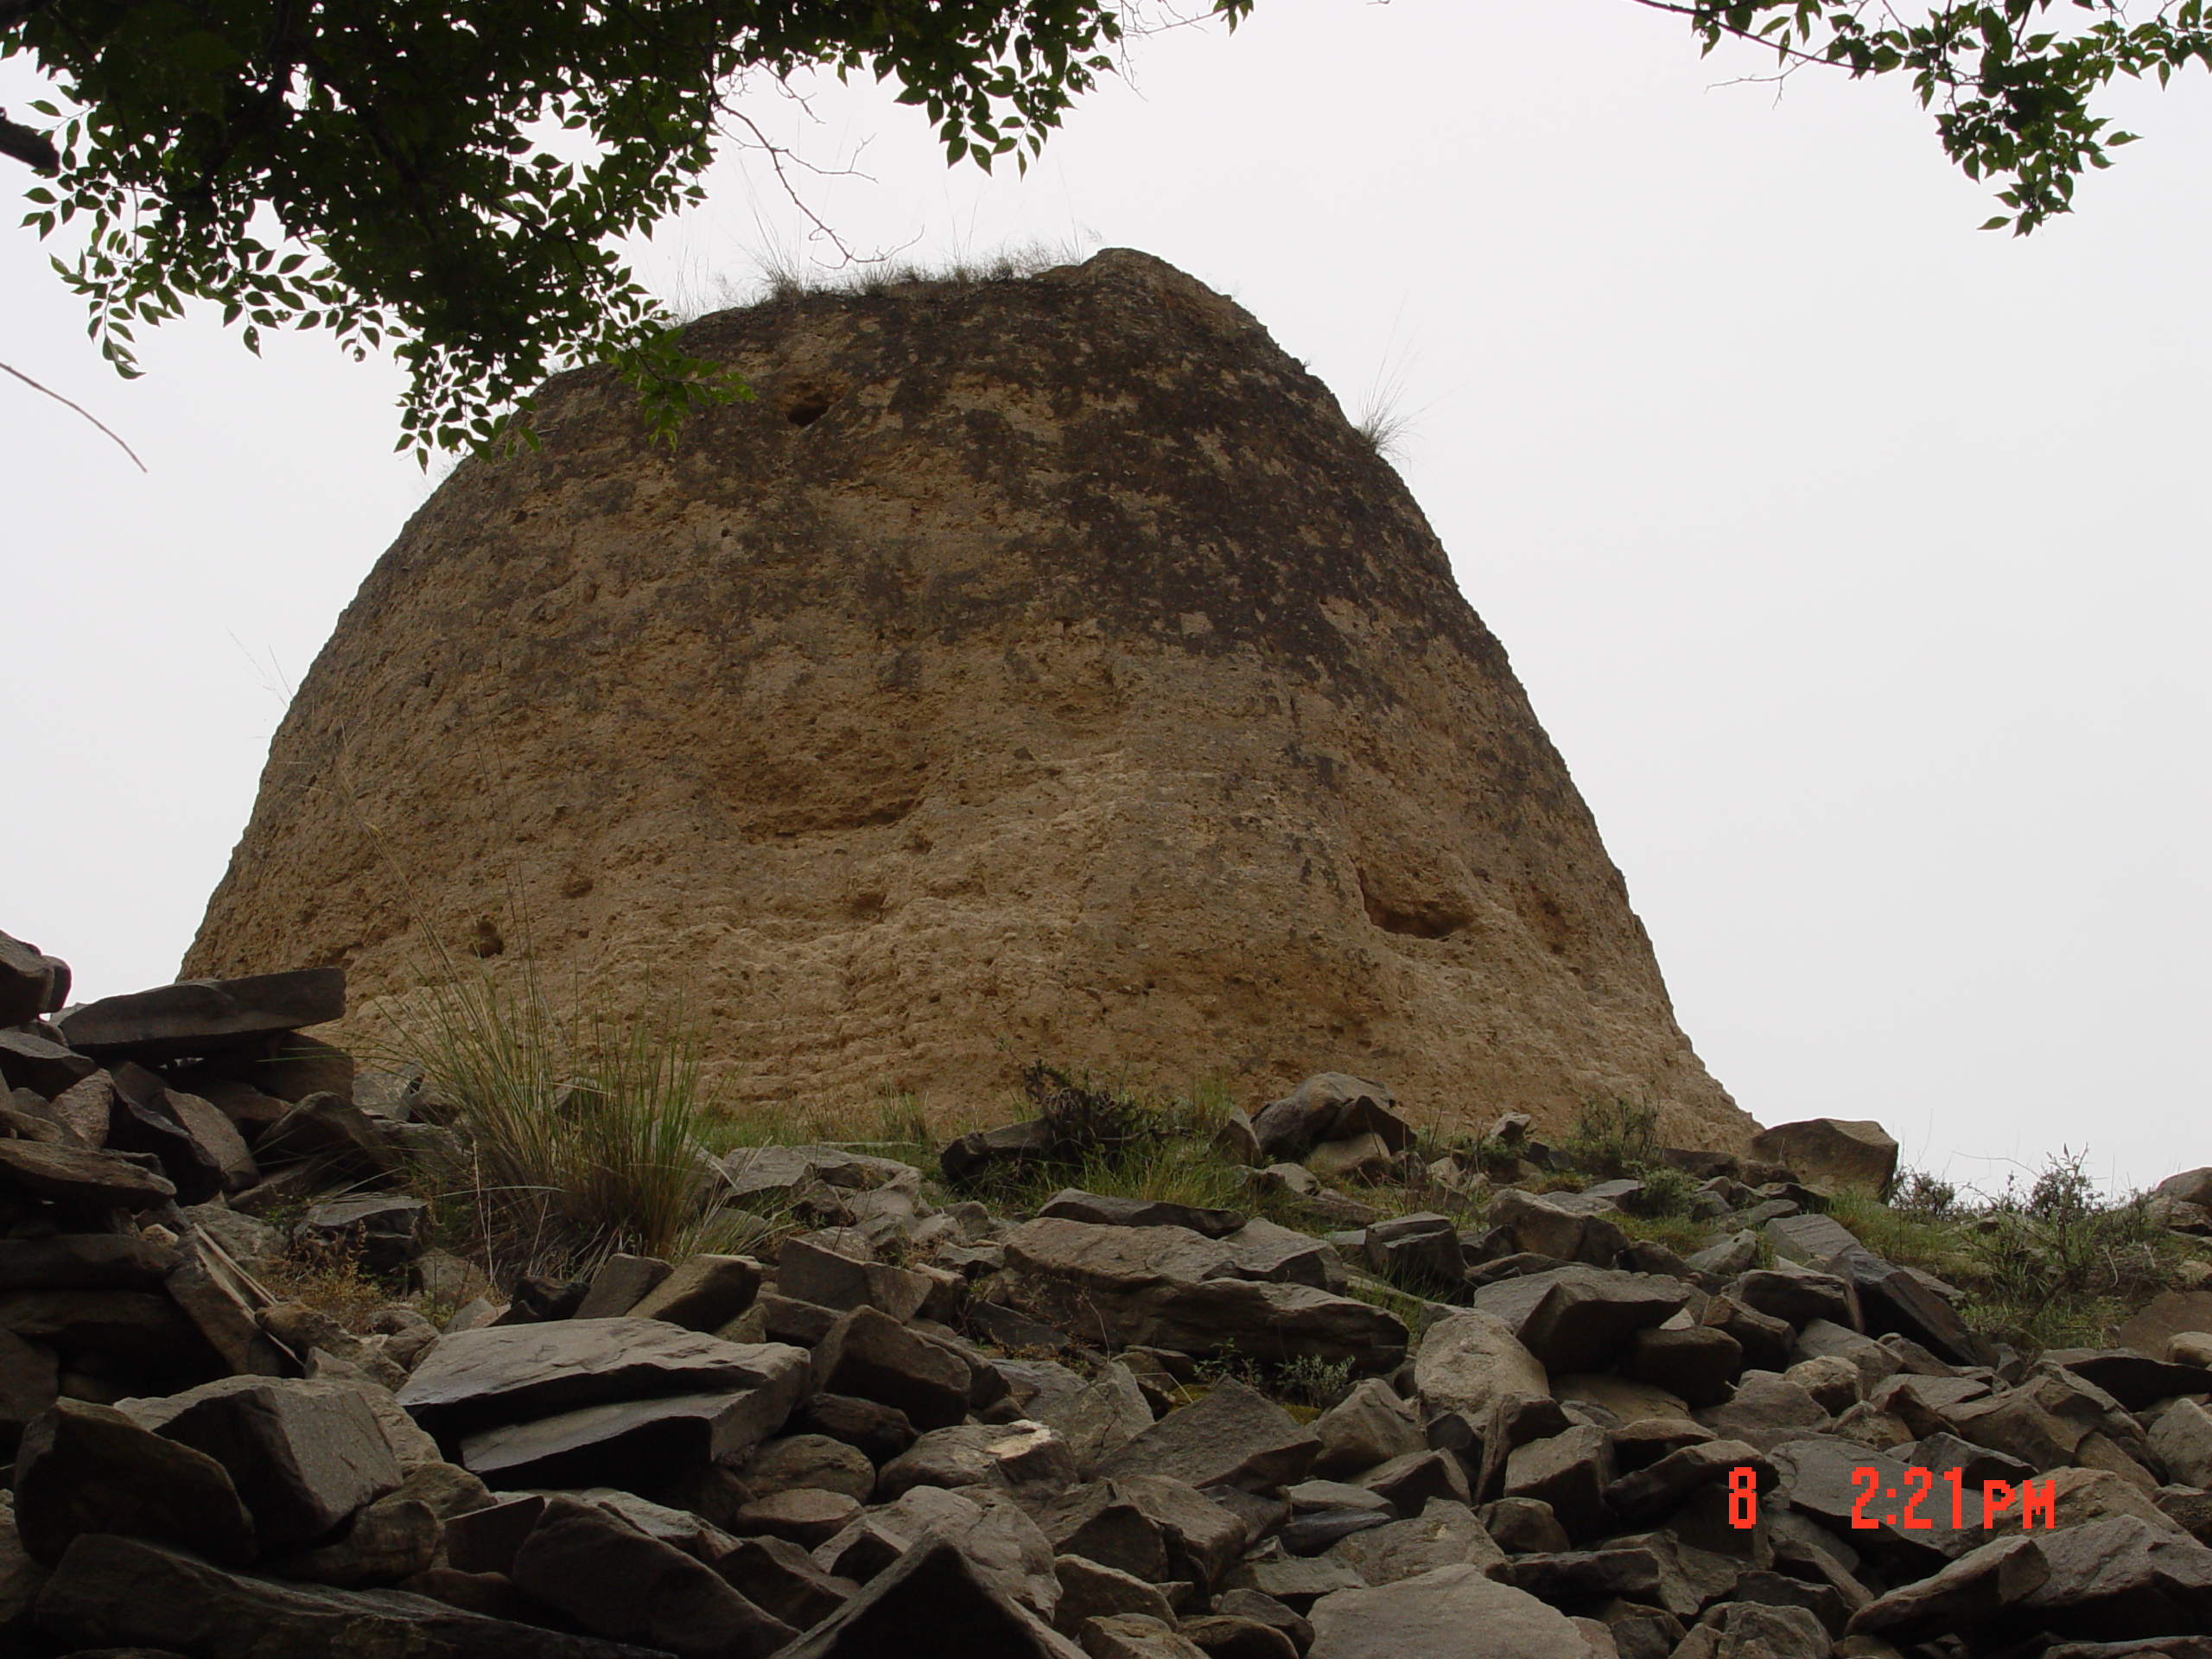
(916, 1424)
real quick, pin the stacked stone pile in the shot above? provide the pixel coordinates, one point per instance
(924, 1428)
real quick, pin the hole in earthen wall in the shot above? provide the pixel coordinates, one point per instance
(1419, 918)
(805, 404)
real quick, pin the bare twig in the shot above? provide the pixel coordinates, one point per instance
(81, 409)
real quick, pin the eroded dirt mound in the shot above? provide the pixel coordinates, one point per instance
(1037, 667)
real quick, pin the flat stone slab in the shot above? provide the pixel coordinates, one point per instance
(633, 1445)
(1454, 1611)
(200, 1016)
(1071, 1204)
(111, 1592)
(479, 1379)
(71, 1175)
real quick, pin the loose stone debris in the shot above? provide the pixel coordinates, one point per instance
(939, 1430)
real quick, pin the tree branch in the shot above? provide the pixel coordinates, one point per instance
(86, 413)
(29, 145)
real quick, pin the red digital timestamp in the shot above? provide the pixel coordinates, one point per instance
(1996, 1497)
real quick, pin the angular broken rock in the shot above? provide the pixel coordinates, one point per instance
(781, 1579)
(704, 1294)
(1090, 1589)
(1580, 1318)
(1570, 1226)
(38, 1063)
(1235, 1436)
(1368, 1427)
(1454, 1611)
(1569, 1471)
(834, 1271)
(933, 1603)
(110, 1591)
(99, 1180)
(1099, 1416)
(1329, 1106)
(1836, 1153)
(392, 1539)
(635, 1444)
(88, 1469)
(1072, 1203)
(1445, 1534)
(302, 1456)
(506, 1374)
(204, 1016)
(31, 982)
(619, 1285)
(1469, 1361)
(872, 1355)
(2117, 1577)
(1169, 1287)
(615, 1581)
(1009, 1456)
(1968, 1592)
(1652, 1492)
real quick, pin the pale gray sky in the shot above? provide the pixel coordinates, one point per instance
(1854, 558)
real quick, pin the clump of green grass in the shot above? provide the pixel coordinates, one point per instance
(1612, 1139)
(572, 1137)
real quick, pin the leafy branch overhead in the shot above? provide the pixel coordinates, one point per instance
(2011, 84)
(450, 179)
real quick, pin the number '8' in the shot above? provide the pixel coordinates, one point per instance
(1743, 1496)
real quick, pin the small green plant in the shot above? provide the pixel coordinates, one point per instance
(1309, 1381)
(573, 1137)
(1613, 1138)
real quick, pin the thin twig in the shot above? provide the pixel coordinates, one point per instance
(81, 409)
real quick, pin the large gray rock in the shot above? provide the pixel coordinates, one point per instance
(1568, 1226)
(704, 1294)
(1203, 1538)
(2116, 1578)
(1837, 1152)
(1569, 1471)
(1445, 1533)
(38, 1063)
(1826, 1478)
(1072, 1203)
(1581, 1318)
(2183, 1442)
(302, 1455)
(989, 1528)
(1099, 1416)
(1452, 1612)
(94, 1179)
(201, 1016)
(382, 1231)
(615, 1581)
(933, 1603)
(1169, 1287)
(1469, 1361)
(1010, 1456)
(871, 1355)
(1967, 1592)
(1235, 1436)
(31, 982)
(1368, 1427)
(836, 1270)
(88, 1469)
(1329, 1106)
(506, 1374)
(759, 1175)
(635, 1445)
(111, 1592)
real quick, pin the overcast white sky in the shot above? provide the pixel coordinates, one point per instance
(1855, 560)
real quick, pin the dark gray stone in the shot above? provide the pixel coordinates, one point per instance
(88, 1469)
(932, 1603)
(109, 1591)
(872, 1355)
(1700, 1364)
(1072, 1203)
(1581, 1574)
(780, 1578)
(204, 1016)
(879, 1431)
(1328, 1106)
(1967, 1592)
(31, 982)
(302, 1456)
(1447, 1611)
(635, 1445)
(505, 1374)
(615, 1581)
(972, 1154)
(40, 1064)
(1235, 1436)
(1581, 1318)
(703, 1294)
(1569, 1471)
